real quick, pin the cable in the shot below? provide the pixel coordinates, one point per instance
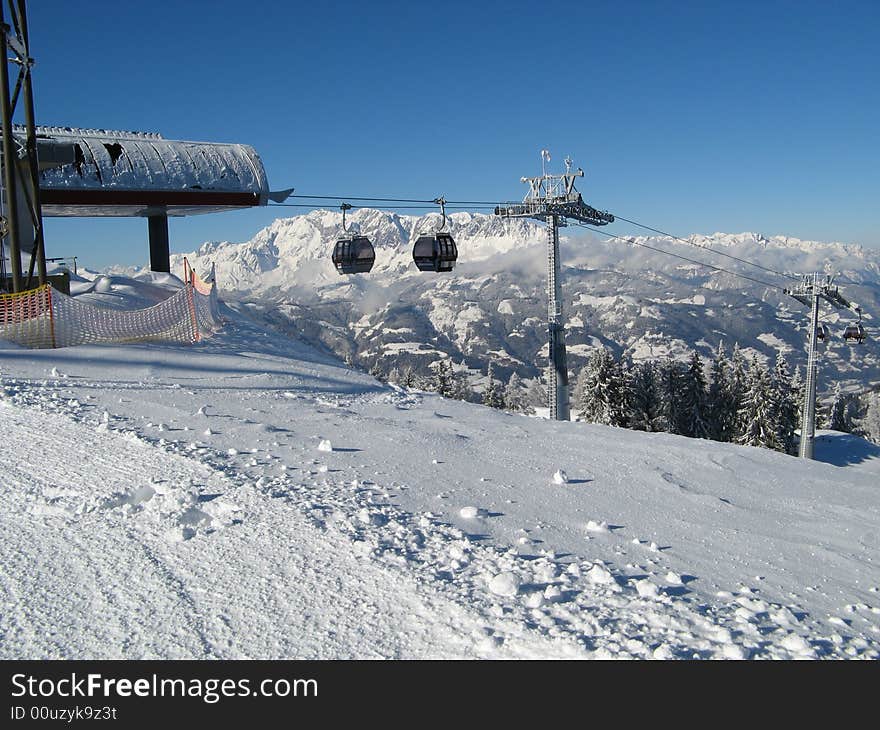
(395, 200)
(720, 253)
(393, 207)
(683, 258)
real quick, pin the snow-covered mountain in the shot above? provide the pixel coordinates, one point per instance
(493, 305)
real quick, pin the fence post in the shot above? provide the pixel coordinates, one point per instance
(190, 295)
(51, 315)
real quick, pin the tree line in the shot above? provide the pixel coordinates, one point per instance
(739, 400)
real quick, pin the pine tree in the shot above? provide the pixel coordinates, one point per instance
(461, 389)
(623, 414)
(757, 415)
(786, 403)
(722, 409)
(643, 396)
(376, 370)
(840, 413)
(694, 419)
(738, 383)
(798, 388)
(493, 394)
(441, 382)
(577, 393)
(514, 394)
(394, 375)
(602, 397)
(408, 378)
(536, 396)
(669, 377)
(869, 424)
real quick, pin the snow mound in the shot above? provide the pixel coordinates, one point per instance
(600, 575)
(647, 589)
(505, 584)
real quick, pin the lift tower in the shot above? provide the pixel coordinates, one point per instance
(553, 198)
(22, 219)
(811, 289)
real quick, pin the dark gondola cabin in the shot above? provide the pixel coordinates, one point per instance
(821, 333)
(354, 255)
(436, 252)
(854, 334)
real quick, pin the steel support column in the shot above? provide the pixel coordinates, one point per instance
(808, 416)
(33, 172)
(10, 158)
(557, 371)
(160, 251)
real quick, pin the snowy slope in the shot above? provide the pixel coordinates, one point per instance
(183, 504)
(493, 305)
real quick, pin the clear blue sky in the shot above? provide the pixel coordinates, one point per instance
(689, 116)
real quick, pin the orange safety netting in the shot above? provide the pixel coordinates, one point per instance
(45, 317)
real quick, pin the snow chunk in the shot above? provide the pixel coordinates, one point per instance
(560, 477)
(797, 645)
(593, 526)
(647, 589)
(471, 513)
(599, 575)
(732, 651)
(505, 584)
(325, 445)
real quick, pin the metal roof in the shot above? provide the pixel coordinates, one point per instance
(139, 174)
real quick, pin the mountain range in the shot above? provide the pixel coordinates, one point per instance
(639, 302)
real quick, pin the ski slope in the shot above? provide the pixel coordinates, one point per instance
(248, 497)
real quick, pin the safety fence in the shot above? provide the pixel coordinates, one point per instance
(44, 317)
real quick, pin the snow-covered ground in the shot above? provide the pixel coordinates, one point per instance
(249, 497)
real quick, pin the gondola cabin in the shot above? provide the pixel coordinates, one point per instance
(854, 334)
(821, 333)
(354, 255)
(435, 252)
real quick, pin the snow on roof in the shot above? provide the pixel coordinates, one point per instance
(83, 132)
(140, 173)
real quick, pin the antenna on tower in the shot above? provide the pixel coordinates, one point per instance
(553, 198)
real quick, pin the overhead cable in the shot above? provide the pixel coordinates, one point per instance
(679, 256)
(713, 250)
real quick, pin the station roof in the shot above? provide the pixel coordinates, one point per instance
(116, 173)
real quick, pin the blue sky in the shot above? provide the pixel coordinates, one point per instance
(688, 116)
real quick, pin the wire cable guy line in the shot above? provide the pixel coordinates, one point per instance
(485, 203)
(431, 206)
(720, 253)
(679, 256)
